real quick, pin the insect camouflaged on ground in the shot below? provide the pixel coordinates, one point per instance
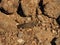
(27, 25)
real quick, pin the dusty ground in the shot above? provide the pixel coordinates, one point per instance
(29, 22)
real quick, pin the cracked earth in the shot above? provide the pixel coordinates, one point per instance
(29, 22)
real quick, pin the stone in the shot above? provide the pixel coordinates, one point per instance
(21, 41)
(10, 6)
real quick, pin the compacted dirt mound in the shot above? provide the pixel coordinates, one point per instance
(29, 22)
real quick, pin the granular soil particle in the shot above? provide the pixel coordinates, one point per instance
(29, 22)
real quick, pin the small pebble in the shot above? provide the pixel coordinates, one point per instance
(54, 31)
(28, 19)
(20, 34)
(21, 41)
(17, 23)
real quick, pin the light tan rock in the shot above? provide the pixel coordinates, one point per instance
(52, 8)
(10, 5)
(29, 6)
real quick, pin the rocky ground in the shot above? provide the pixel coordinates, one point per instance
(29, 22)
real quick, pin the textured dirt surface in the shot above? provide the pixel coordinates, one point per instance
(29, 22)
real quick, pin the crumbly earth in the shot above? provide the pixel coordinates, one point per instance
(30, 22)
